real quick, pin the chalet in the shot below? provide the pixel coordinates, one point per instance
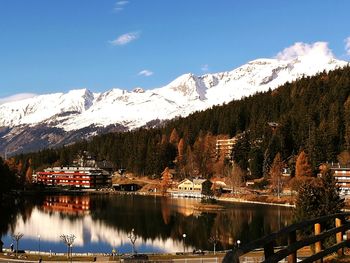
(190, 188)
(188, 185)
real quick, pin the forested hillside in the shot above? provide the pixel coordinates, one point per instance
(311, 114)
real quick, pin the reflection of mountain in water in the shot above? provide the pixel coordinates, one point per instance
(14, 207)
(158, 222)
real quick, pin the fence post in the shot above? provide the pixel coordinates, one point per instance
(318, 245)
(292, 238)
(339, 236)
(268, 250)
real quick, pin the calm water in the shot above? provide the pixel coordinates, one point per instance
(102, 222)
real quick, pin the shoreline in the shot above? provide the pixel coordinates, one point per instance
(143, 193)
(240, 200)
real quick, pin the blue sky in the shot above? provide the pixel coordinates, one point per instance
(58, 45)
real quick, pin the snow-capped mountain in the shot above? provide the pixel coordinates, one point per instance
(64, 115)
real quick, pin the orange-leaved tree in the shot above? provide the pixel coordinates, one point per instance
(302, 166)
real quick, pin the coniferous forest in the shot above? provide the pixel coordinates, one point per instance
(310, 115)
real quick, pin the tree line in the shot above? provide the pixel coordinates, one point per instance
(310, 115)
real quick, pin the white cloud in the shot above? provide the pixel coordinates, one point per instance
(17, 97)
(119, 6)
(347, 46)
(125, 39)
(122, 3)
(205, 68)
(300, 49)
(145, 73)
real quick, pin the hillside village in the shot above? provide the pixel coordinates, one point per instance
(88, 173)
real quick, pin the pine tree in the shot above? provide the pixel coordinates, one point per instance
(7, 179)
(308, 200)
(256, 159)
(207, 188)
(331, 202)
(318, 197)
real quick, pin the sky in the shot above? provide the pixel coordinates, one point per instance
(59, 45)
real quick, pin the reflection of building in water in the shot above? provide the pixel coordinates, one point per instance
(68, 204)
(184, 206)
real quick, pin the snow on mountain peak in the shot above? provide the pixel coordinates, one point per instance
(138, 90)
(188, 93)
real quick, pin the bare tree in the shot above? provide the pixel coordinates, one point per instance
(235, 176)
(276, 174)
(214, 239)
(133, 239)
(68, 240)
(16, 238)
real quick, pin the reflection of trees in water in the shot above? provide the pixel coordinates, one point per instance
(165, 217)
(161, 218)
(165, 207)
(249, 223)
(125, 212)
(12, 207)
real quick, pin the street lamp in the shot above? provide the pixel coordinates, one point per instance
(184, 237)
(39, 243)
(71, 252)
(238, 242)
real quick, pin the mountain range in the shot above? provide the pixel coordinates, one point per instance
(52, 120)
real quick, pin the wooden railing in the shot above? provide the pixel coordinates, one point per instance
(341, 226)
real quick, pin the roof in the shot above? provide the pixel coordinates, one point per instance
(185, 180)
(199, 181)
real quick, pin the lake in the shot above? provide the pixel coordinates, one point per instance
(104, 222)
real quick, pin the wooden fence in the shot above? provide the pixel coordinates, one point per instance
(341, 225)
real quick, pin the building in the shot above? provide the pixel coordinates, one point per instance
(189, 188)
(225, 147)
(78, 177)
(342, 175)
(188, 185)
